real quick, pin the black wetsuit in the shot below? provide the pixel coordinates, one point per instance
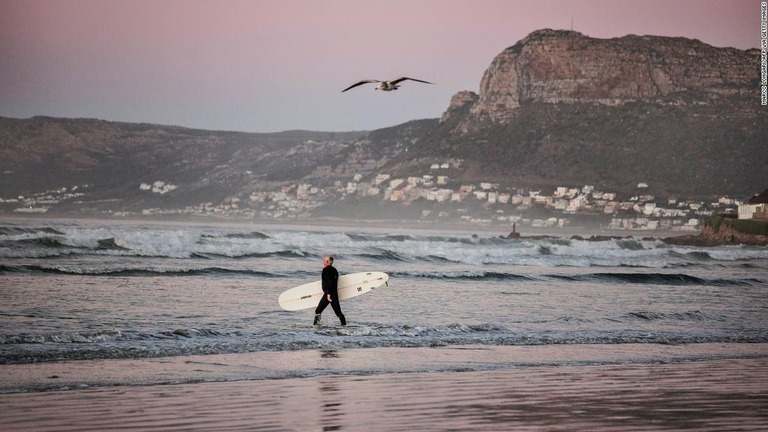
(330, 280)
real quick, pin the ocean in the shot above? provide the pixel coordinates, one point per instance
(78, 292)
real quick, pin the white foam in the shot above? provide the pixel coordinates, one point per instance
(185, 243)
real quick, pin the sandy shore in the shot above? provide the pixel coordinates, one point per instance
(588, 387)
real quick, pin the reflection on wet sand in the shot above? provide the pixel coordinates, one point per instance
(723, 394)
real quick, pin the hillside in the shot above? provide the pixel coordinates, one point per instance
(113, 159)
(556, 109)
(559, 107)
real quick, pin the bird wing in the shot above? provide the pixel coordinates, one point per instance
(360, 83)
(412, 79)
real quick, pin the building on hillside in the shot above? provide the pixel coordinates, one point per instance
(755, 208)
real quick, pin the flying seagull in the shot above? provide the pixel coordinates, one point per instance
(386, 85)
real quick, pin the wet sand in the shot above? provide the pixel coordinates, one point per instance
(587, 387)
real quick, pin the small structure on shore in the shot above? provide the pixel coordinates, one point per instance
(514, 234)
(755, 208)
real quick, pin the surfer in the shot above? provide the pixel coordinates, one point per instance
(330, 296)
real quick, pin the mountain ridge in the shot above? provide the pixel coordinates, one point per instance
(611, 112)
(556, 108)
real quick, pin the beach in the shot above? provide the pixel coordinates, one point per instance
(155, 326)
(587, 387)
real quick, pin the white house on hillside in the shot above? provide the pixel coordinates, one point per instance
(755, 208)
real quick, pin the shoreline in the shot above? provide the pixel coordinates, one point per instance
(717, 391)
(504, 232)
(278, 365)
(494, 231)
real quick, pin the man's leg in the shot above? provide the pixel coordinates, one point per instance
(336, 305)
(320, 308)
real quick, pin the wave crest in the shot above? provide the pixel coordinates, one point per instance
(78, 271)
(656, 279)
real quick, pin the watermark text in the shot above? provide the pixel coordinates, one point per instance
(764, 53)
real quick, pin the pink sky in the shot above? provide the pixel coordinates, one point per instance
(272, 65)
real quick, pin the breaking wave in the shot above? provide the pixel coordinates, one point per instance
(378, 238)
(12, 231)
(466, 275)
(658, 279)
(220, 243)
(678, 316)
(75, 270)
(114, 344)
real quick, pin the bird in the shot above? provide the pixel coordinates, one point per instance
(385, 85)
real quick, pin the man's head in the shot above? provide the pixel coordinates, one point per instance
(327, 260)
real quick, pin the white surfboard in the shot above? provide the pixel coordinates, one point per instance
(350, 285)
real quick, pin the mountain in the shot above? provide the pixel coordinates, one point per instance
(559, 107)
(109, 161)
(112, 159)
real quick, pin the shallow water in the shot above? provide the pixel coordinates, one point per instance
(96, 290)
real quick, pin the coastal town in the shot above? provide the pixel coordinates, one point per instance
(434, 196)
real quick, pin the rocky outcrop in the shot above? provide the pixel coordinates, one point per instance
(718, 231)
(565, 66)
(459, 106)
(458, 109)
(559, 107)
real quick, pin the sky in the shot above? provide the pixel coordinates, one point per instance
(276, 65)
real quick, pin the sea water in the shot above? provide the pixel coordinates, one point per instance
(76, 290)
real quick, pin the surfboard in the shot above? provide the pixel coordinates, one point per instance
(350, 285)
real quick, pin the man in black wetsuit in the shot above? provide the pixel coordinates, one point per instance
(330, 294)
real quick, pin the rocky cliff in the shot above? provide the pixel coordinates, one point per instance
(565, 66)
(559, 107)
